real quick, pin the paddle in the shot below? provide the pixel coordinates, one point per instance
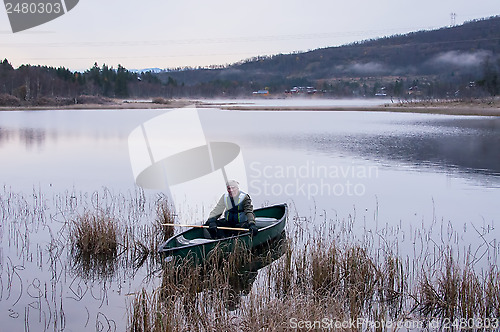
(202, 226)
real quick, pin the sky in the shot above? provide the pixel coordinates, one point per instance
(169, 34)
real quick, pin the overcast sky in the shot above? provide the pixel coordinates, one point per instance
(166, 34)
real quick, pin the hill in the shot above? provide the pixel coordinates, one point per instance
(460, 61)
(447, 58)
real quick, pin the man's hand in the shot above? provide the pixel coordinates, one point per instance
(253, 229)
(212, 228)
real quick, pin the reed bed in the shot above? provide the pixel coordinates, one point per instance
(323, 283)
(454, 293)
(74, 249)
(94, 235)
(143, 241)
(89, 245)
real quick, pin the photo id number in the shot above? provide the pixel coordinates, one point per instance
(33, 8)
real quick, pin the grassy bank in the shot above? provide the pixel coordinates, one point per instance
(96, 103)
(472, 107)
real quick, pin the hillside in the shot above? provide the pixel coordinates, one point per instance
(460, 61)
(451, 55)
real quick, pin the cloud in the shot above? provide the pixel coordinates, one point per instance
(368, 68)
(462, 59)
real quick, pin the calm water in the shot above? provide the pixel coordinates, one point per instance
(401, 178)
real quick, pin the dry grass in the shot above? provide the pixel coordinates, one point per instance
(458, 292)
(94, 244)
(146, 242)
(95, 235)
(162, 101)
(9, 100)
(318, 280)
(314, 275)
(492, 293)
(100, 241)
(164, 215)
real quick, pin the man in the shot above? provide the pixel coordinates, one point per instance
(238, 212)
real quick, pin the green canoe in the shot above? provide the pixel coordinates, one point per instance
(196, 243)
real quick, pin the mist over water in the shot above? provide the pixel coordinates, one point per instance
(396, 177)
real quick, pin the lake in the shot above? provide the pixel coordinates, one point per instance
(406, 181)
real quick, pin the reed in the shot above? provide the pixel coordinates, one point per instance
(94, 241)
(319, 279)
(326, 271)
(455, 292)
(492, 293)
(393, 285)
(145, 240)
(320, 271)
(95, 234)
(164, 215)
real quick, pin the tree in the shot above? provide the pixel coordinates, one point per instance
(108, 76)
(490, 77)
(6, 66)
(121, 87)
(171, 82)
(398, 88)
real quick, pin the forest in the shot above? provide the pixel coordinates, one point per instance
(460, 61)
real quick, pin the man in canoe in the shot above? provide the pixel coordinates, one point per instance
(238, 212)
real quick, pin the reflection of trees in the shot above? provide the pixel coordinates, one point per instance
(32, 136)
(243, 276)
(466, 144)
(474, 146)
(29, 136)
(6, 135)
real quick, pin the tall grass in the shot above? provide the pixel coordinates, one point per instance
(455, 292)
(321, 271)
(145, 240)
(320, 282)
(95, 235)
(98, 238)
(94, 243)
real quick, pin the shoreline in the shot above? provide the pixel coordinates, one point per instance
(112, 105)
(444, 108)
(456, 110)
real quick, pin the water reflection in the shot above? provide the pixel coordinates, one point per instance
(6, 135)
(81, 294)
(93, 267)
(241, 281)
(467, 153)
(29, 137)
(467, 145)
(32, 136)
(228, 278)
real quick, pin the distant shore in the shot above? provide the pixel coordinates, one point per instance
(446, 110)
(483, 107)
(110, 104)
(487, 107)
